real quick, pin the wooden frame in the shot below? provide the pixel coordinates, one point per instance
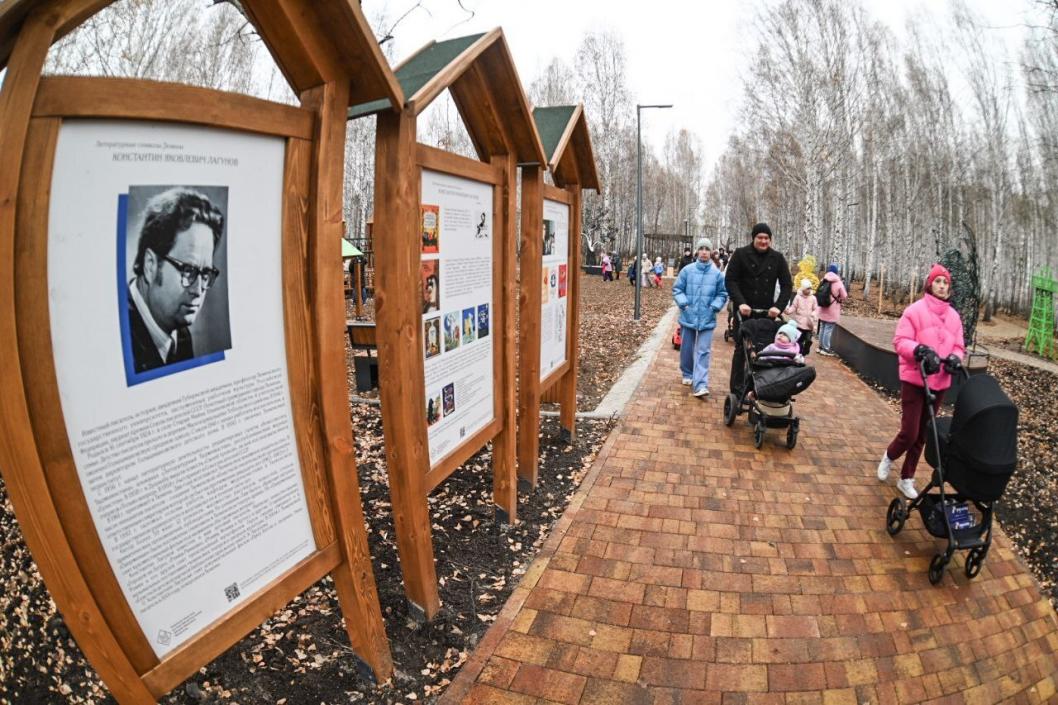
(573, 168)
(486, 89)
(35, 453)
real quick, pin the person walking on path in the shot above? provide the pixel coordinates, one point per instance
(700, 294)
(607, 267)
(633, 270)
(659, 270)
(830, 315)
(647, 270)
(751, 278)
(687, 258)
(930, 330)
(804, 309)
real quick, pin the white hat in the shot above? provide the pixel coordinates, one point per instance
(806, 284)
(704, 242)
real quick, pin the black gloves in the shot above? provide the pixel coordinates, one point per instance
(952, 364)
(928, 356)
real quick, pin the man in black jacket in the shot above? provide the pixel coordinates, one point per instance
(751, 277)
(687, 258)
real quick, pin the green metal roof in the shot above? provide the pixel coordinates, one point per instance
(551, 124)
(417, 71)
(350, 250)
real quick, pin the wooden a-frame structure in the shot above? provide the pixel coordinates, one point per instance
(571, 161)
(331, 59)
(480, 75)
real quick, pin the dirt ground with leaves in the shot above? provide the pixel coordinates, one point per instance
(301, 654)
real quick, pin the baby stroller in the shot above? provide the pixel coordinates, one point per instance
(975, 452)
(729, 334)
(768, 389)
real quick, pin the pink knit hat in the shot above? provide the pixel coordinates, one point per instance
(938, 270)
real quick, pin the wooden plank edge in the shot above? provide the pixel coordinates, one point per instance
(126, 98)
(436, 159)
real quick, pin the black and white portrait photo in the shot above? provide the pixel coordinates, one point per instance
(175, 294)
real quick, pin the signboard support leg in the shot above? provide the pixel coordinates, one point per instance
(353, 578)
(401, 373)
(567, 386)
(529, 326)
(504, 482)
(37, 514)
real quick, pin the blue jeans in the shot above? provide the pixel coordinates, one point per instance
(825, 331)
(694, 356)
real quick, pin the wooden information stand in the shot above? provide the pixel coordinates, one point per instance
(564, 133)
(414, 225)
(330, 57)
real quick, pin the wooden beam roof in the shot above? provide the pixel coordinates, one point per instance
(567, 142)
(478, 70)
(312, 42)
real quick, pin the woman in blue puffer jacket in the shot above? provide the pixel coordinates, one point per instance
(700, 293)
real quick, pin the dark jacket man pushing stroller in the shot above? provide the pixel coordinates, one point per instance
(751, 279)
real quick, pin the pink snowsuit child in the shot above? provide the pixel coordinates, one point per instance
(930, 321)
(804, 309)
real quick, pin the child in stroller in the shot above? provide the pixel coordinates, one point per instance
(771, 379)
(975, 452)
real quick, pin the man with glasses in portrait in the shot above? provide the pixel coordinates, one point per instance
(174, 271)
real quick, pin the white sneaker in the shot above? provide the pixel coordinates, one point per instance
(884, 466)
(687, 381)
(703, 392)
(908, 488)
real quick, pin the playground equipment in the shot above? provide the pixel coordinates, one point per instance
(1041, 321)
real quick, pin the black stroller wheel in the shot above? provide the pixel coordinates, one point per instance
(895, 517)
(791, 433)
(974, 559)
(936, 568)
(730, 409)
(758, 434)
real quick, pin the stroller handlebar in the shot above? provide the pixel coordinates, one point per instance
(752, 312)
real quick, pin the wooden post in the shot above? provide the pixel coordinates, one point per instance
(504, 479)
(35, 510)
(567, 386)
(401, 370)
(354, 579)
(358, 289)
(529, 325)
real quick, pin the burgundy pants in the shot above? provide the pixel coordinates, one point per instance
(914, 420)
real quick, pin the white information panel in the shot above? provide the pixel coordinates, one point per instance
(554, 303)
(456, 220)
(166, 304)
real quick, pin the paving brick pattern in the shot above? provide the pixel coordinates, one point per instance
(693, 568)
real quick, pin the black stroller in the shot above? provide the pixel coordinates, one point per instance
(975, 451)
(729, 332)
(768, 388)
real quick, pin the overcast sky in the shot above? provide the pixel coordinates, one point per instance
(692, 55)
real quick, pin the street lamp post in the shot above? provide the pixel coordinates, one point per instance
(639, 208)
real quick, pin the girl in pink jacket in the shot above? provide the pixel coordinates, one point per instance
(930, 329)
(830, 315)
(804, 309)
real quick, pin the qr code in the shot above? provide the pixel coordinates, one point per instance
(231, 592)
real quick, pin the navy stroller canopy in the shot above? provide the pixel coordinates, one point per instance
(984, 427)
(760, 331)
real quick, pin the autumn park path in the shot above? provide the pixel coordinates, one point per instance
(692, 568)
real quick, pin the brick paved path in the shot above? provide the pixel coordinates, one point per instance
(692, 568)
